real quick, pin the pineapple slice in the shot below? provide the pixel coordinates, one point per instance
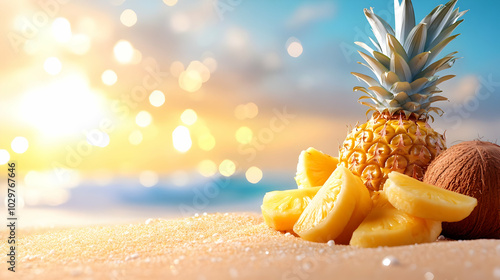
(314, 168)
(330, 211)
(427, 201)
(388, 226)
(281, 209)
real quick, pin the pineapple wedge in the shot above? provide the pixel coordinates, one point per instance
(281, 209)
(388, 226)
(314, 168)
(427, 201)
(330, 212)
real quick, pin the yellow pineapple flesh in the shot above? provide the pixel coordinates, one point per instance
(384, 144)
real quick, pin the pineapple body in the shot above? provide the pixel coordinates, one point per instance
(390, 143)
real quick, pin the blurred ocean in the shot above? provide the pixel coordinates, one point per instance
(126, 201)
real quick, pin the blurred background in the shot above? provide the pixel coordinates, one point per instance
(116, 111)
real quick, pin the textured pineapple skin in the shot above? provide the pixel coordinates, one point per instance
(384, 144)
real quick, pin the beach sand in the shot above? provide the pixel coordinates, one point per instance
(232, 246)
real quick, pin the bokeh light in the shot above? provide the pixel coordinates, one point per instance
(181, 139)
(109, 77)
(179, 178)
(207, 168)
(124, 51)
(189, 117)
(135, 137)
(128, 18)
(227, 168)
(4, 156)
(246, 111)
(19, 144)
(244, 135)
(206, 142)
(294, 47)
(170, 2)
(80, 44)
(143, 118)
(52, 65)
(157, 98)
(201, 69)
(61, 30)
(180, 22)
(210, 63)
(190, 80)
(253, 175)
(176, 68)
(148, 178)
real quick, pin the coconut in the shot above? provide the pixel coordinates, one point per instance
(471, 168)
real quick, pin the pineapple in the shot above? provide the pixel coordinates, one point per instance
(281, 209)
(398, 136)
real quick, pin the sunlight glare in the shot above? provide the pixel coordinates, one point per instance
(64, 107)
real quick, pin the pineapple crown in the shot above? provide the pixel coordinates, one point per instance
(402, 60)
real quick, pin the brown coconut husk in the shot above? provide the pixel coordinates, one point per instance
(471, 168)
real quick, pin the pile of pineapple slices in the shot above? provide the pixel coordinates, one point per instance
(331, 203)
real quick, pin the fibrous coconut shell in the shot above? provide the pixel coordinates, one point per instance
(471, 168)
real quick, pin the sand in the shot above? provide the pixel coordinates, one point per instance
(233, 246)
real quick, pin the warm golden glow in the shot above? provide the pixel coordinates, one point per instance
(182, 139)
(189, 117)
(128, 18)
(244, 135)
(207, 168)
(227, 168)
(253, 175)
